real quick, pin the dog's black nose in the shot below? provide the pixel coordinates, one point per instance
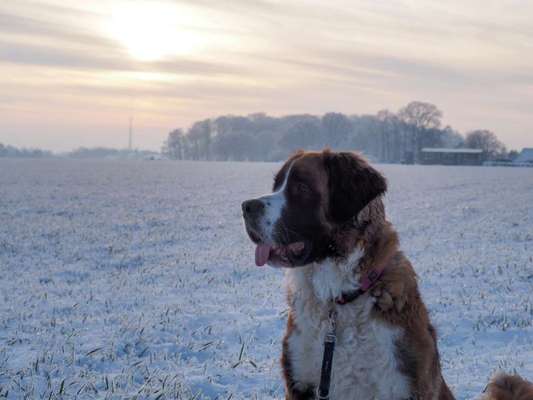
(252, 208)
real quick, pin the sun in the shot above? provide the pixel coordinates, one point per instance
(153, 30)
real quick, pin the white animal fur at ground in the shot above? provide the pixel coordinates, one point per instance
(127, 277)
(364, 351)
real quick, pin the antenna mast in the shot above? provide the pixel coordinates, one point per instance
(130, 134)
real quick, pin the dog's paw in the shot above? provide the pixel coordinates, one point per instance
(389, 295)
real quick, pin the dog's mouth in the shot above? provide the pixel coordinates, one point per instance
(279, 255)
(293, 254)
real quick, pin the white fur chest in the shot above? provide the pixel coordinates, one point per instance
(364, 363)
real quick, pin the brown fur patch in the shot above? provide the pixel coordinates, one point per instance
(417, 351)
(509, 387)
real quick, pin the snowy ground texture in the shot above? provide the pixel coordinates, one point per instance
(132, 279)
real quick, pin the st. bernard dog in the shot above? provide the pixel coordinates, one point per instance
(325, 223)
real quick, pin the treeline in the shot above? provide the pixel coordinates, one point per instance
(79, 153)
(109, 153)
(385, 136)
(14, 152)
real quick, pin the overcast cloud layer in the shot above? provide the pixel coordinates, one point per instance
(66, 80)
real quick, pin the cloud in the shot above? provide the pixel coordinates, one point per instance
(52, 56)
(69, 58)
(473, 59)
(15, 25)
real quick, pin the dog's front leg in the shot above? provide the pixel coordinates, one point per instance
(296, 394)
(293, 390)
(391, 291)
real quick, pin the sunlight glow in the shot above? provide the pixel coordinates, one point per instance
(153, 30)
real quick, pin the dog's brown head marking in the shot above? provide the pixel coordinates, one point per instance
(314, 193)
(353, 184)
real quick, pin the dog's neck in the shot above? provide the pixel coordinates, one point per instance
(329, 279)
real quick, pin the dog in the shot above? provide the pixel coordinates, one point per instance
(508, 387)
(325, 224)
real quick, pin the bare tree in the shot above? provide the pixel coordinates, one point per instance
(487, 141)
(305, 134)
(199, 134)
(336, 127)
(452, 138)
(235, 146)
(422, 117)
(391, 136)
(420, 114)
(174, 146)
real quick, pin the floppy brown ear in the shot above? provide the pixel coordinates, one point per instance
(353, 183)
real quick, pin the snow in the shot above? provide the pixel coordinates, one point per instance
(135, 278)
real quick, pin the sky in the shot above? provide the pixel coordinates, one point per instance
(72, 73)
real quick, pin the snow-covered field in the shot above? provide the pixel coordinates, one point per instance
(125, 279)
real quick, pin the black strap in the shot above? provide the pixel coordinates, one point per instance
(327, 359)
(325, 376)
(348, 297)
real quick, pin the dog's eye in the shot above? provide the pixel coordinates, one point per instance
(302, 188)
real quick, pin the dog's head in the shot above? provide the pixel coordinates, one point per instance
(314, 194)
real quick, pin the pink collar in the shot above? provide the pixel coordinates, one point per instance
(366, 281)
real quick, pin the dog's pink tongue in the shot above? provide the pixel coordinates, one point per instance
(262, 252)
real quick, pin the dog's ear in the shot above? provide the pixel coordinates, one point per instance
(353, 183)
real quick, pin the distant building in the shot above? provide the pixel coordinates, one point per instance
(444, 156)
(525, 157)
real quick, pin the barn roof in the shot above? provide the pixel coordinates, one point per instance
(526, 156)
(446, 150)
